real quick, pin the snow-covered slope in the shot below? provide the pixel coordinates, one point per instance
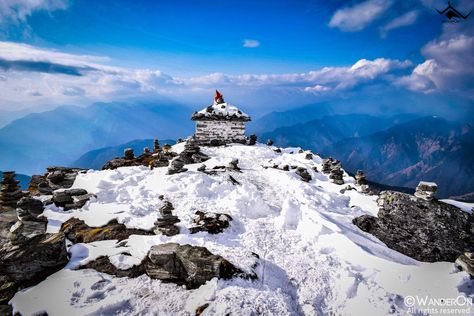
(313, 260)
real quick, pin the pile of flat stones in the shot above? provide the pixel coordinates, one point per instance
(210, 222)
(165, 225)
(54, 178)
(327, 165)
(71, 198)
(192, 152)
(426, 190)
(362, 181)
(336, 175)
(11, 192)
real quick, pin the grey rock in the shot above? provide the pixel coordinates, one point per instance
(252, 140)
(29, 207)
(269, 142)
(426, 190)
(303, 173)
(424, 230)
(128, 154)
(465, 262)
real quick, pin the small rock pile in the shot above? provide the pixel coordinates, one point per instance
(308, 156)
(192, 153)
(210, 222)
(54, 178)
(71, 198)
(252, 139)
(11, 192)
(166, 223)
(269, 142)
(426, 190)
(336, 174)
(327, 165)
(176, 166)
(29, 225)
(362, 181)
(159, 158)
(303, 173)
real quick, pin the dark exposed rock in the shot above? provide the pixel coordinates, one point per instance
(269, 142)
(303, 173)
(55, 178)
(10, 192)
(465, 262)
(210, 222)
(252, 139)
(362, 181)
(327, 165)
(171, 262)
(233, 180)
(25, 263)
(308, 156)
(200, 309)
(285, 168)
(187, 265)
(128, 154)
(424, 230)
(29, 208)
(71, 199)
(336, 174)
(78, 231)
(156, 146)
(347, 188)
(202, 168)
(278, 150)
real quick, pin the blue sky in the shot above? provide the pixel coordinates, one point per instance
(292, 52)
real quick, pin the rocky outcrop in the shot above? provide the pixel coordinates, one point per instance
(210, 222)
(26, 262)
(424, 230)
(55, 178)
(159, 158)
(78, 231)
(10, 192)
(171, 262)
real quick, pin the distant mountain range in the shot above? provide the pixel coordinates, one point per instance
(396, 151)
(95, 159)
(59, 136)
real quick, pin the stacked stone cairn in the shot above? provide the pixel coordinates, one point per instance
(166, 223)
(426, 190)
(336, 173)
(362, 181)
(252, 139)
(29, 225)
(192, 153)
(11, 192)
(309, 156)
(327, 165)
(176, 166)
(156, 146)
(128, 154)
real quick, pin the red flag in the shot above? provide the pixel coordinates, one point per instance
(218, 97)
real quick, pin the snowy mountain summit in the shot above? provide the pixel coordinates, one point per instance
(253, 230)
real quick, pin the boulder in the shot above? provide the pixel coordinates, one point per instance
(176, 166)
(55, 178)
(210, 222)
(427, 231)
(78, 231)
(29, 208)
(186, 265)
(166, 223)
(71, 199)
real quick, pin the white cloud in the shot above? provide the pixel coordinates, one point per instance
(16, 11)
(404, 20)
(250, 43)
(449, 66)
(357, 17)
(64, 78)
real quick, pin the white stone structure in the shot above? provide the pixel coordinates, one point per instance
(220, 123)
